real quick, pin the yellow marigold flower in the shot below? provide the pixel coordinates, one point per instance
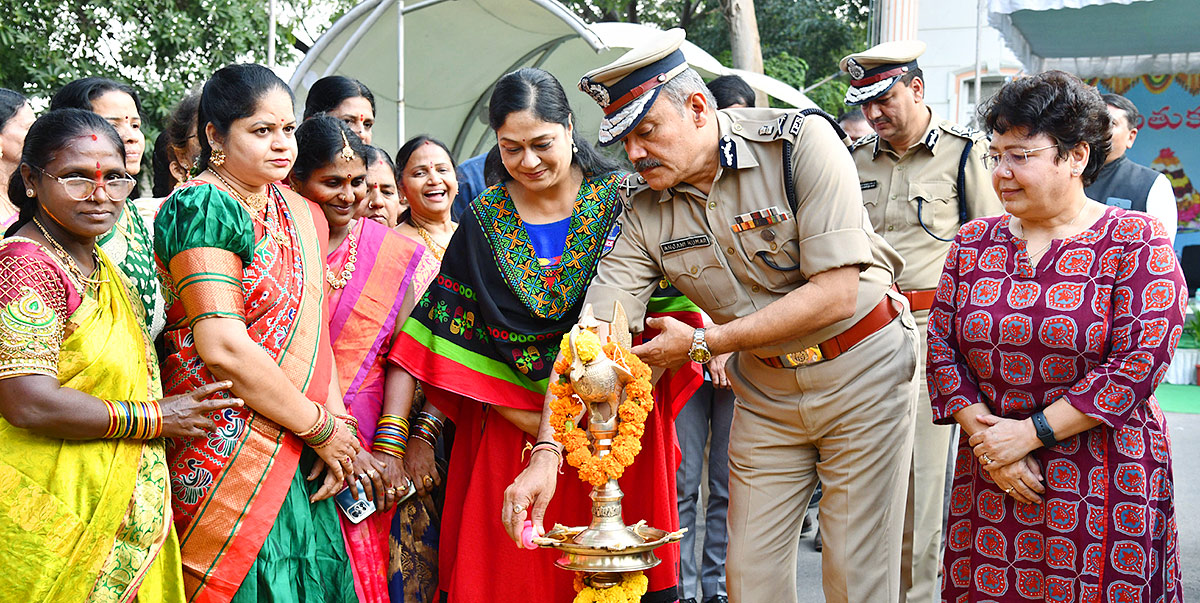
(565, 348)
(636, 584)
(588, 345)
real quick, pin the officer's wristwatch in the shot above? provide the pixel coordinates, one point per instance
(699, 351)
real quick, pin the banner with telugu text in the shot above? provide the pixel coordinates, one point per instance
(1168, 132)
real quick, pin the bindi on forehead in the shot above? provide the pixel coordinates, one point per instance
(99, 174)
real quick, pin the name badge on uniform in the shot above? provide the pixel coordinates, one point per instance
(758, 218)
(685, 243)
(868, 185)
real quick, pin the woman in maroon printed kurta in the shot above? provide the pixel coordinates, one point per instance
(1051, 328)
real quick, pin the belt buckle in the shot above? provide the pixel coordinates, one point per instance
(804, 357)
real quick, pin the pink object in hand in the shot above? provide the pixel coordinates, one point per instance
(527, 536)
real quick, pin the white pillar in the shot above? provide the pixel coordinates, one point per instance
(897, 20)
(399, 73)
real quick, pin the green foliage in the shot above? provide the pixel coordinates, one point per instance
(163, 48)
(665, 14)
(1191, 331)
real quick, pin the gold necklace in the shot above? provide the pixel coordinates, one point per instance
(255, 202)
(1043, 249)
(437, 250)
(131, 240)
(82, 282)
(255, 206)
(338, 281)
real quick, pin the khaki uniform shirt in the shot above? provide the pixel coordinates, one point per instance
(892, 185)
(719, 252)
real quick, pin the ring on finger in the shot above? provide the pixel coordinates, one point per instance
(986, 459)
(517, 509)
(427, 480)
(362, 476)
(1009, 490)
(371, 473)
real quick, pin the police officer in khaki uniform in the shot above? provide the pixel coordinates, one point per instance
(756, 216)
(921, 177)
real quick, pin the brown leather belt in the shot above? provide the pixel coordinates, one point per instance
(921, 299)
(883, 313)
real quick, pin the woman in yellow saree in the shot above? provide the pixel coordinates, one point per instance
(84, 504)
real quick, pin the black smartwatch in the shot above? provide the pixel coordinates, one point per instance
(1045, 433)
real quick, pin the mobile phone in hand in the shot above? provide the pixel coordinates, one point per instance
(354, 503)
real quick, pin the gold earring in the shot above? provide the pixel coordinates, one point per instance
(217, 158)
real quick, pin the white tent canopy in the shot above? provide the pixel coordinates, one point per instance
(1101, 38)
(454, 51)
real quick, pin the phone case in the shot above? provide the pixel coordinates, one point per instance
(355, 508)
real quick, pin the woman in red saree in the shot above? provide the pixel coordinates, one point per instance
(369, 288)
(484, 337)
(243, 264)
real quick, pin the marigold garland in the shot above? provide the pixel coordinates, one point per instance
(566, 410)
(630, 590)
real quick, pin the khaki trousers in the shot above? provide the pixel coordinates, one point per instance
(847, 420)
(925, 517)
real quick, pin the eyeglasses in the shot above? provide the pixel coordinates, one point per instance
(1015, 157)
(82, 189)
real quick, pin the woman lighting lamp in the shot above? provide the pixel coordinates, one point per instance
(245, 271)
(84, 501)
(1052, 326)
(469, 339)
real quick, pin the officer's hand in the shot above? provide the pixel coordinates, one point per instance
(716, 371)
(670, 347)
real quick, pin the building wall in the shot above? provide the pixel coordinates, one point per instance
(948, 28)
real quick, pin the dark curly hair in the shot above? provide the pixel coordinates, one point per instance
(1059, 105)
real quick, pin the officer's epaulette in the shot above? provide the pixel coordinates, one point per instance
(864, 141)
(766, 125)
(630, 186)
(962, 131)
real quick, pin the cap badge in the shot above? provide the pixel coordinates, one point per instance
(597, 91)
(856, 71)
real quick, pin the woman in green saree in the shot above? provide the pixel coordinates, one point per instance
(243, 265)
(84, 504)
